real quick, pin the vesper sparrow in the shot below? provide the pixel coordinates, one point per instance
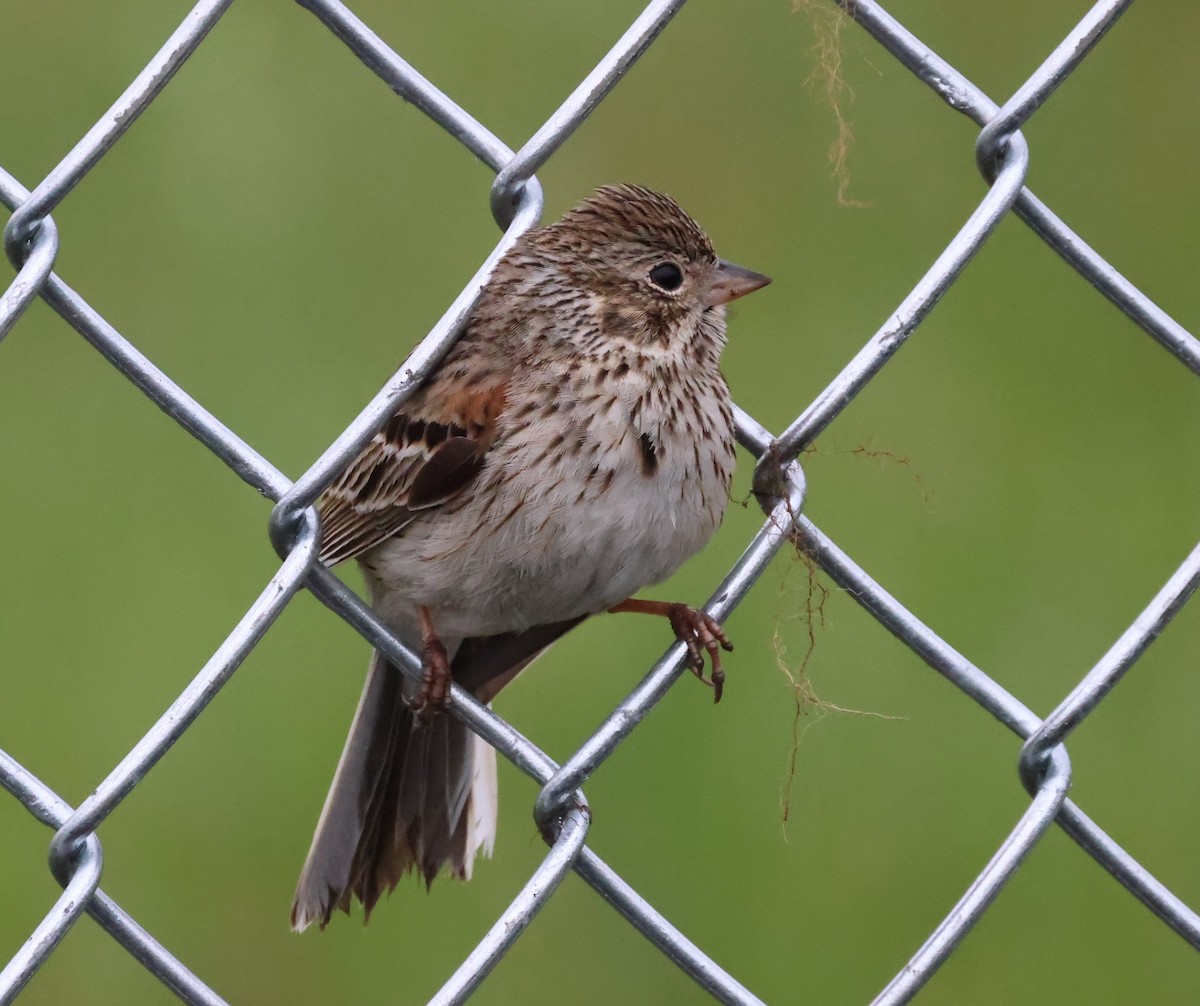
(575, 445)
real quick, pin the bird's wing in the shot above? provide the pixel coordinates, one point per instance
(425, 456)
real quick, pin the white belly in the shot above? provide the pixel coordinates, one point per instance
(540, 541)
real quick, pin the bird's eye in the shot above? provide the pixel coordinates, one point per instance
(666, 276)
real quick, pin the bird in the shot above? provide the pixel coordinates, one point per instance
(573, 447)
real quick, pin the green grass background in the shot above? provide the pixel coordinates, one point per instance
(278, 230)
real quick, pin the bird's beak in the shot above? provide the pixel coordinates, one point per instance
(733, 281)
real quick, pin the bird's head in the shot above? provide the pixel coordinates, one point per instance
(648, 271)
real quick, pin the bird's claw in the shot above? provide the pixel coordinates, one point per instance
(696, 629)
(434, 695)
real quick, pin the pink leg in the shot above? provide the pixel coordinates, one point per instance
(434, 695)
(695, 629)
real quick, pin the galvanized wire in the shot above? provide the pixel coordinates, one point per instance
(31, 241)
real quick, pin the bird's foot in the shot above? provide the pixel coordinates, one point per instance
(434, 694)
(697, 630)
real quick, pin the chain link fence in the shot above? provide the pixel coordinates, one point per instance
(31, 241)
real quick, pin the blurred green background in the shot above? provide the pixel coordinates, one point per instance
(278, 230)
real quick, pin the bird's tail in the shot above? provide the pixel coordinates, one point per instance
(406, 795)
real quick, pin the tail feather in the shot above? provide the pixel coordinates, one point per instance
(379, 859)
(403, 797)
(441, 829)
(409, 795)
(481, 811)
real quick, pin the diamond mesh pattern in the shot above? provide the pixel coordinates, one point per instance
(31, 241)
